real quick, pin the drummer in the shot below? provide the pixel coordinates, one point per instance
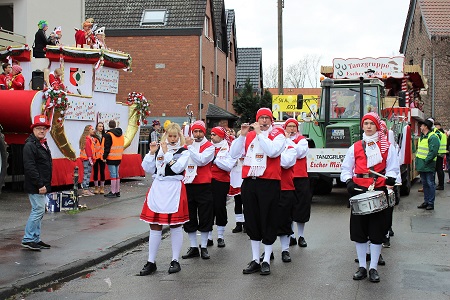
(373, 153)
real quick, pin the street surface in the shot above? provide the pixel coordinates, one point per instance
(417, 264)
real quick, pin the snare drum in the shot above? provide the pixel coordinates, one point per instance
(368, 203)
(391, 198)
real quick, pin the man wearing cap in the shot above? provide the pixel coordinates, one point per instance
(220, 170)
(374, 153)
(427, 151)
(17, 80)
(197, 179)
(37, 162)
(302, 207)
(260, 188)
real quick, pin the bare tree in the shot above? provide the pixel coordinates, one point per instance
(312, 63)
(296, 74)
(271, 76)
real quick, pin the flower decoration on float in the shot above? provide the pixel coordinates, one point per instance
(141, 106)
(56, 100)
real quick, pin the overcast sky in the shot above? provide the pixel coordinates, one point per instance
(326, 28)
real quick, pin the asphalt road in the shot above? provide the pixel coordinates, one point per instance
(417, 264)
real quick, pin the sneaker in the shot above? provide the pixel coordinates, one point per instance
(118, 194)
(31, 245)
(43, 245)
(110, 195)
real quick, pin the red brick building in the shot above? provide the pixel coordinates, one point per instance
(426, 42)
(184, 52)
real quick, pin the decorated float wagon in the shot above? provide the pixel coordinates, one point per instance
(91, 77)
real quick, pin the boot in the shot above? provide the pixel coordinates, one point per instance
(238, 227)
(102, 189)
(96, 190)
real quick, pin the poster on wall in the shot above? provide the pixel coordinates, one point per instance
(107, 80)
(105, 117)
(80, 110)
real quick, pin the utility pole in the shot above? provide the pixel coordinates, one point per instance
(280, 46)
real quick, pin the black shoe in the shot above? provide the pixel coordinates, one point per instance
(391, 233)
(220, 243)
(440, 188)
(204, 253)
(381, 261)
(423, 205)
(386, 244)
(252, 267)
(174, 267)
(373, 276)
(430, 207)
(110, 195)
(238, 228)
(32, 246)
(367, 258)
(148, 269)
(43, 245)
(292, 241)
(301, 242)
(210, 243)
(244, 230)
(192, 252)
(261, 258)
(285, 256)
(265, 269)
(118, 194)
(360, 274)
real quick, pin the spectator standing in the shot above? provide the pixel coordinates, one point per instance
(114, 142)
(87, 157)
(99, 164)
(37, 162)
(441, 154)
(155, 132)
(40, 40)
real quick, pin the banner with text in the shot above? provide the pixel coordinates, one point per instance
(325, 160)
(79, 109)
(107, 80)
(288, 104)
(356, 67)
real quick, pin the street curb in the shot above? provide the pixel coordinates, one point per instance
(65, 273)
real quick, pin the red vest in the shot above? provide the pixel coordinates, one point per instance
(273, 170)
(287, 178)
(204, 173)
(219, 174)
(361, 167)
(300, 167)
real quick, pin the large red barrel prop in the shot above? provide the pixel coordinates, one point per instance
(16, 114)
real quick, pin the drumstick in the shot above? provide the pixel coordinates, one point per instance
(376, 173)
(358, 189)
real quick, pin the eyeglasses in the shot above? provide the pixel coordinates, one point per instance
(293, 126)
(41, 128)
(213, 134)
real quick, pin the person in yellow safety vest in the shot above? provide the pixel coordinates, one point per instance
(99, 164)
(112, 155)
(427, 151)
(441, 153)
(86, 144)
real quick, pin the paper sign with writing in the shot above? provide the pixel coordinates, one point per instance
(79, 109)
(325, 160)
(356, 67)
(105, 117)
(107, 80)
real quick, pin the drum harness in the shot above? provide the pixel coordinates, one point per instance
(375, 177)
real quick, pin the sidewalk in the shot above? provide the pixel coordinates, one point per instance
(106, 228)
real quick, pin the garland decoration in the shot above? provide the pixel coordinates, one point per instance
(141, 106)
(57, 100)
(21, 53)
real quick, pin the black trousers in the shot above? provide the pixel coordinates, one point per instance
(301, 211)
(284, 212)
(99, 164)
(201, 206)
(220, 191)
(238, 204)
(260, 198)
(440, 170)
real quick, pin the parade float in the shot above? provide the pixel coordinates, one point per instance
(91, 78)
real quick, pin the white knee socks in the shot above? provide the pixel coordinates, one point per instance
(284, 240)
(375, 251)
(220, 231)
(301, 229)
(193, 239)
(361, 253)
(255, 250)
(204, 239)
(153, 244)
(176, 236)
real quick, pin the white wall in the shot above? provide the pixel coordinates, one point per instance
(65, 13)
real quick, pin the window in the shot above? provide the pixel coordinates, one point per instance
(423, 64)
(217, 86)
(224, 91)
(421, 23)
(154, 17)
(211, 82)
(203, 79)
(206, 26)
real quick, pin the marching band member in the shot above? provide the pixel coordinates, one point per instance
(166, 201)
(375, 153)
(261, 186)
(235, 192)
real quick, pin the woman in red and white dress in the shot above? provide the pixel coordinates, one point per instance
(166, 201)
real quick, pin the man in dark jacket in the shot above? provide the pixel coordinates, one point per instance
(114, 146)
(40, 40)
(37, 161)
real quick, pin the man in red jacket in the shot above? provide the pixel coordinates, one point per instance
(260, 189)
(197, 178)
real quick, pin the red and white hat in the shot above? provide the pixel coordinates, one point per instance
(198, 125)
(264, 111)
(290, 120)
(40, 120)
